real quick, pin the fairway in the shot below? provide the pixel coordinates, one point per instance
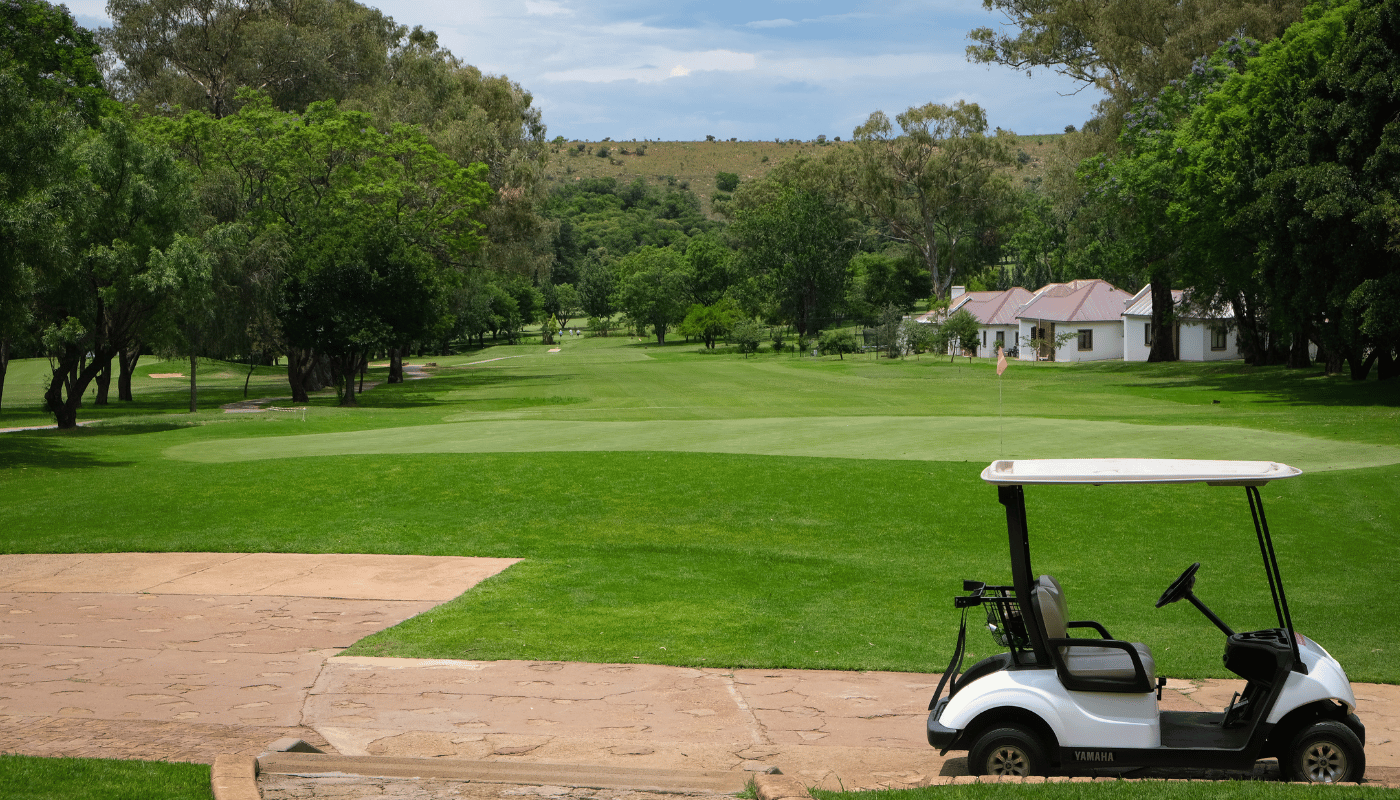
(895, 438)
(679, 506)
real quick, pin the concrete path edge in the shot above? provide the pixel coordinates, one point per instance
(235, 778)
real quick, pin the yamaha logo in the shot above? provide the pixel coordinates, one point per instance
(1093, 755)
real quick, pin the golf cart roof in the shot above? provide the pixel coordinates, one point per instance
(1135, 470)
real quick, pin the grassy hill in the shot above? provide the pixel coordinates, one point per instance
(694, 164)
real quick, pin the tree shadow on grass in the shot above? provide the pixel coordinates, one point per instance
(28, 449)
(1271, 385)
(430, 391)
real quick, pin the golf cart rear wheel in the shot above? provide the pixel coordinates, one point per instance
(1324, 752)
(1010, 750)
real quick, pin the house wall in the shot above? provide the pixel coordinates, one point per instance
(987, 339)
(1133, 347)
(1108, 341)
(1195, 343)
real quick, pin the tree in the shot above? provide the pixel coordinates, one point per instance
(197, 54)
(881, 279)
(957, 334)
(385, 212)
(933, 185)
(95, 300)
(50, 86)
(726, 181)
(183, 273)
(746, 335)
(1127, 49)
(838, 341)
(708, 323)
(654, 288)
(800, 243)
(596, 288)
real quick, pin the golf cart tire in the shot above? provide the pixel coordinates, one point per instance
(1008, 750)
(1324, 752)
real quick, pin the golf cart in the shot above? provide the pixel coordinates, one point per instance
(1052, 701)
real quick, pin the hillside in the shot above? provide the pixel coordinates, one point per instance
(694, 164)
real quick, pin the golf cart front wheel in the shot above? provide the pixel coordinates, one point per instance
(1011, 750)
(1324, 752)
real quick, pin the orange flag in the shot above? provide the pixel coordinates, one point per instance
(1001, 360)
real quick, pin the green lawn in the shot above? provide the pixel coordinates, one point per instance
(681, 507)
(30, 778)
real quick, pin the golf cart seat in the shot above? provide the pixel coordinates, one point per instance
(1090, 665)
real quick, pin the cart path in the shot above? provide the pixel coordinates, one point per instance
(186, 656)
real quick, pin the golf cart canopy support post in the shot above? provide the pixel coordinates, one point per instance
(1011, 476)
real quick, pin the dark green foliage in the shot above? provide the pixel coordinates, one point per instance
(726, 181)
(800, 244)
(654, 289)
(708, 323)
(52, 56)
(838, 341)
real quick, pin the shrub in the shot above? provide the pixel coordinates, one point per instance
(779, 342)
(839, 342)
(726, 181)
(745, 335)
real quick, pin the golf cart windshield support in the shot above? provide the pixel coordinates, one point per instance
(1014, 498)
(1266, 549)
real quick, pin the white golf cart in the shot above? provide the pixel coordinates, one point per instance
(1052, 701)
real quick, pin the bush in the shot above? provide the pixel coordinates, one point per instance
(839, 342)
(779, 341)
(745, 335)
(726, 181)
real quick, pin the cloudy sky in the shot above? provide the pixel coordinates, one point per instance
(682, 69)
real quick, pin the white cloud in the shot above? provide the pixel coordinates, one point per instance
(679, 71)
(770, 23)
(547, 8)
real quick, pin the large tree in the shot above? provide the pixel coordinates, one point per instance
(932, 185)
(799, 245)
(50, 86)
(325, 192)
(1127, 49)
(653, 289)
(197, 54)
(95, 299)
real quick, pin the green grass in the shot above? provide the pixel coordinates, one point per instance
(684, 508)
(31, 778)
(1138, 790)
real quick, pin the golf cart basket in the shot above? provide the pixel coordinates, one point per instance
(1004, 620)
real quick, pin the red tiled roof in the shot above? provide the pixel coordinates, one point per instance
(989, 308)
(1077, 301)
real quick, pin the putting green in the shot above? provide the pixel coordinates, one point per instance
(901, 438)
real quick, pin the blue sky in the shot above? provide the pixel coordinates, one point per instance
(763, 69)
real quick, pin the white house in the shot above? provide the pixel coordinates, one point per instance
(995, 313)
(1200, 336)
(1090, 309)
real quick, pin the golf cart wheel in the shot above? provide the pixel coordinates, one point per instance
(1011, 750)
(1324, 752)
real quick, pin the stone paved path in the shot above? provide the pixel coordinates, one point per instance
(185, 656)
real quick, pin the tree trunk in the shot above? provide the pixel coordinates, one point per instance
(299, 365)
(1387, 366)
(1163, 315)
(104, 383)
(4, 366)
(1361, 367)
(194, 387)
(395, 365)
(252, 364)
(70, 380)
(126, 364)
(1298, 357)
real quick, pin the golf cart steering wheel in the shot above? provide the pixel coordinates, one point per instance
(1180, 587)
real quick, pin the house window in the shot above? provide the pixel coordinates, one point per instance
(1001, 338)
(1086, 339)
(1147, 334)
(984, 337)
(1217, 338)
(1016, 338)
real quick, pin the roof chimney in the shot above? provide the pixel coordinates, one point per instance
(956, 292)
